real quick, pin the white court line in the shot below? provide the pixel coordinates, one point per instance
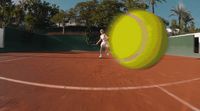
(94, 88)
(179, 99)
(18, 58)
(8, 60)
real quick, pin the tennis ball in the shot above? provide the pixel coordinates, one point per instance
(138, 39)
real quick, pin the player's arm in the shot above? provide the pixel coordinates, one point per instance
(98, 41)
(106, 37)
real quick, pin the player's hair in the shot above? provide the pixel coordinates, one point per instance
(101, 30)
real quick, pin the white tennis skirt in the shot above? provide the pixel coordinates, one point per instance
(104, 44)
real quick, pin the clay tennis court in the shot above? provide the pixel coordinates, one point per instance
(79, 81)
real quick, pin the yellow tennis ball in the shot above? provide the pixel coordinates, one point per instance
(138, 39)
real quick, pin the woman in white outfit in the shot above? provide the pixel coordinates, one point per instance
(104, 43)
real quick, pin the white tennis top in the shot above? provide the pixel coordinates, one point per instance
(104, 38)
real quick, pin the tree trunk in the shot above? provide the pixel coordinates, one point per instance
(63, 28)
(153, 8)
(179, 22)
(186, 28)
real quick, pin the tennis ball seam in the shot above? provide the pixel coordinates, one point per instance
(144, 39)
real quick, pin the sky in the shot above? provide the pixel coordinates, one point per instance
(193, 6)
(162, 10)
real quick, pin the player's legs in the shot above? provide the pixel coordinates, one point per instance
(100, 55)
(107, 51)
(101, 49)
(104, 46)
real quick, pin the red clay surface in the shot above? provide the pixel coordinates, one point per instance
(86, 70)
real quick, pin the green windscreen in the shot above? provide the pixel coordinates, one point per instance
(182, 45)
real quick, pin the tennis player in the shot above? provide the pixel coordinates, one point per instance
(104, 43)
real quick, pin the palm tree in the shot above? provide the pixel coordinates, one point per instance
(153, 3)
(192, 27)
(173, 24)
(187, 18)
(180, 11)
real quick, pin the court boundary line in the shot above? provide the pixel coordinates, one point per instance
(79, 88)
(18, 58)
(8, 60)
(178, 99)
(83, 88)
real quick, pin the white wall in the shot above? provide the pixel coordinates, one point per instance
(1, 38)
